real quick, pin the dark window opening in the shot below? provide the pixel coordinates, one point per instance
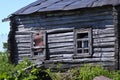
(82, 35)
(79, 44)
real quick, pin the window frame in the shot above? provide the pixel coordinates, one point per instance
(33, 47)
(89, 39)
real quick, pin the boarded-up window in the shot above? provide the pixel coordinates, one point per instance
(39, 43)
(83, 41)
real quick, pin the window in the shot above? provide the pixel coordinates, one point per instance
(39, 43)
(83, 41)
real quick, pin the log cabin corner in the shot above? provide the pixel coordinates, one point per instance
(71, 32)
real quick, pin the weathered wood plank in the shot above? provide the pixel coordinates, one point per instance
(24, 55)
(60, 40)
(85, 60)
(61, 55)
(57, 30)
(107, 44)
(23, 32)
(61, 50)
(24, 52)
(104, 49)
(38, 47)
(104, 54)
(68, 18)
(61, 34)
(23, 44)
(103, 35)
(65, 58)
(22, 39)
(55, 45)
(103, 31)
(102, 40)
(24, 49)
(25, 40)
(70, 65)
(22, 36)
(61, 37)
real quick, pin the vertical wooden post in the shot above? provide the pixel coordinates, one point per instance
(32, 45)
(75, 42)
(45, 45)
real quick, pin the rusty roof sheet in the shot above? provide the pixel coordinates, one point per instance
(62, 5)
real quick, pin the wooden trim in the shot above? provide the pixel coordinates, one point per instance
(31, 51)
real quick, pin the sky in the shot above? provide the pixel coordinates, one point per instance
(8, 7)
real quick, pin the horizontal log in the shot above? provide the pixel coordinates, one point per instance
(23, 32)
(81, 56)
(68, 20)
(61, 34)
(60, 40)
(101, 40)
(71, 16)
(24, 55)
(103, 31)
(23, 45)
(23, 36)
(24, 52)
(59, 30)
(24, 49)
(68, 66)
(103, 35)
(106, 44)
(104, 54)
(61, 37)
(59, 58)
(38, 47)
(62, 50)
(61, 55)
(104, 49)
(56, 45)
(85, 60)
(23, 41)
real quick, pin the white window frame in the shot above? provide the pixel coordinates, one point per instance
(89, 39)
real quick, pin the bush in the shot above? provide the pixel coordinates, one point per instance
(16, 72)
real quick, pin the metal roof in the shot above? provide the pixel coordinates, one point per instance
(55, 5)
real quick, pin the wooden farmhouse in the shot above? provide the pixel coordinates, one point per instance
(71, 32)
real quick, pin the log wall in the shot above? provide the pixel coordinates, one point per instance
(60, 43)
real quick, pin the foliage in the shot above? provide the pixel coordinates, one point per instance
(17, 72)
(87, 72)
(5, 46)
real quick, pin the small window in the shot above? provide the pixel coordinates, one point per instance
(83, 41)
(38, 44)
